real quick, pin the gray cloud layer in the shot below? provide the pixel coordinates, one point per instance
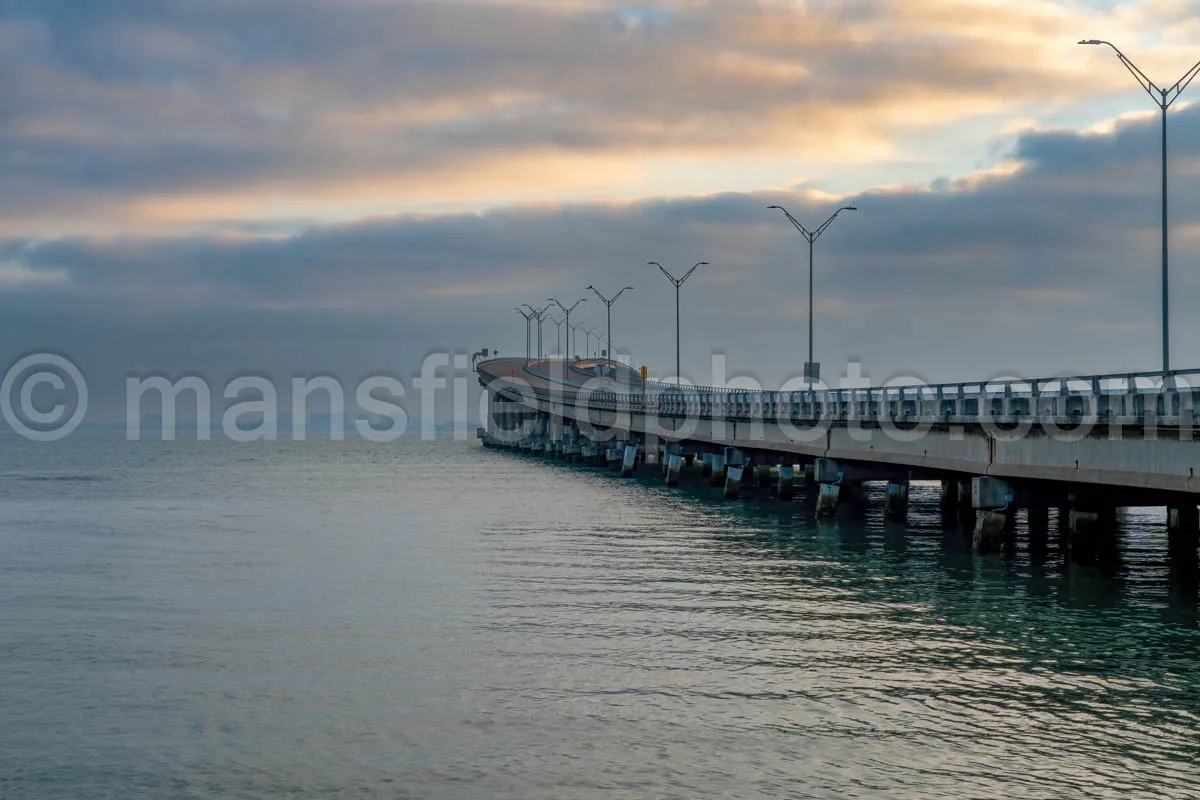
(1052, 269)
(108, 101)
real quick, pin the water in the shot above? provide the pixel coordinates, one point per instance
(431, 620)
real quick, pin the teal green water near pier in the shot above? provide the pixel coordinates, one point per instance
(432, 620)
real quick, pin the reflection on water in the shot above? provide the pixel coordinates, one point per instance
(434, 620)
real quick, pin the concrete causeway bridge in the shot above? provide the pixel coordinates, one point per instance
(1084, 445)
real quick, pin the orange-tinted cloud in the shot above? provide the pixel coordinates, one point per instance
(170, 118)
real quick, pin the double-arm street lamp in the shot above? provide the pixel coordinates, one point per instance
(577, 329)
(567, 312)
(609, 303)
(528, 345)
(677, 282)
(812, 371)
(558, 334)
(540, 316)
(1163, 98)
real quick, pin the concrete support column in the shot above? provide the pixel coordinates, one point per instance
(1090, 531)
(787, 481)
(826, 470)
(762, 475)
(674, 465)
(966, 511)
(629, 462)
(995, 516)
(896, 506)
(652, 456)
(992, 527)
(1183, 545)
(949, 495)
(827, 500)
(718, 469)
(615, 455)
(733, 482)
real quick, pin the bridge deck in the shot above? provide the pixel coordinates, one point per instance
(1114, 431)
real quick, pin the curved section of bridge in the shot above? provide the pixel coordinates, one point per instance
(1086, 443)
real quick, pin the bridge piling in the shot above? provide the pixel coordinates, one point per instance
(965, 511)
(762, 476)
(733, 482)
(787, 480)
(896, 505)
(992, 527)
(718, 469)
(1091, 532)
(827, 500)
(674, 465)
(1183, 546)
(613, 456)
(629, 461)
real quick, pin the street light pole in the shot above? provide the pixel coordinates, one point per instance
(557, 335)
(540, 316)
(609, 304)
(1164, 98)
(677, 282)
(567, 312)
(811, 372)
(528, 318)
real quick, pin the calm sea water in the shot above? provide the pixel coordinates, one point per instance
(429, 620)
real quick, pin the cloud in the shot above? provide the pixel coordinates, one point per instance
(1047, 267)
(145, 116)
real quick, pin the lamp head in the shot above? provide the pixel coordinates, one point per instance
(1090, 41)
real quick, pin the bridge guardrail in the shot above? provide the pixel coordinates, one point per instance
(1131, 398)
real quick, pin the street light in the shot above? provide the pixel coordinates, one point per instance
(609, 304)
(567, 312)
(588, 333)
(677, 282)
(528, 318)
(577, 329)
(558, 334)
(540, 316)
(812, 371)
(1163, 98)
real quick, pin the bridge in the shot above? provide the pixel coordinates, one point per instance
(1084, 445)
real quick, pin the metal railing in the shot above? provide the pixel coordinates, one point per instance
(1122, 397)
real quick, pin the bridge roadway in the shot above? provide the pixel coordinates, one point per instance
(1092, 442)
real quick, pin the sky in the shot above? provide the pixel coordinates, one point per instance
(343, 187)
